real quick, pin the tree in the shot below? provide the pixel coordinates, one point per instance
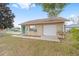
(53, 9)
(6, 16)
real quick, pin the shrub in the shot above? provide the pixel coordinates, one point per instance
(76, 45)
(74, 34)
(75, 37)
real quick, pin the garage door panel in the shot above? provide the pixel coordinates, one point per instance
(49, 30)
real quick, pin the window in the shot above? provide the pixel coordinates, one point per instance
(33, 28)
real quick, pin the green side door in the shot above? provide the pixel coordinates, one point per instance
(24, 29)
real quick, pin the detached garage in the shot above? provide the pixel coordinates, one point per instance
(44, 27)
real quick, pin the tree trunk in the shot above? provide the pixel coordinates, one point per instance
(1, 32)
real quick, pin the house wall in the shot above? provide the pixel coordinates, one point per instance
(39, 31)
(59, 26)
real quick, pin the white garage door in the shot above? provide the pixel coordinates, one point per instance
(49, 30)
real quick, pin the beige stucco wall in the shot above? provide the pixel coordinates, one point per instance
(39, 31)
(59, 26)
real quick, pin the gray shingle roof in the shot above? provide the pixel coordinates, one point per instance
(45, 21)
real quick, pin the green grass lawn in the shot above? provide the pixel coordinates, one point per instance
(17, 46)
